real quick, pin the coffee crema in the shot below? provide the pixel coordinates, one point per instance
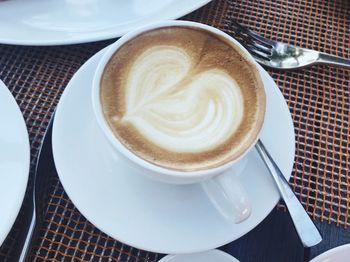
(182, 98)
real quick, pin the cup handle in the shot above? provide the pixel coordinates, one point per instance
(227, 194)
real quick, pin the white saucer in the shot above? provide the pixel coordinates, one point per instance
(214, 255)
(57, 22)
(338, 254)
(147, 214)
(14, 160)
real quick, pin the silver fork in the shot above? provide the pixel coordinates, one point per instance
(38, 198)
(280, 55)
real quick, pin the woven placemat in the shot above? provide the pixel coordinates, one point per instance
(318, 99)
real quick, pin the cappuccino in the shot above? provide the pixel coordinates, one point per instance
(182, 98)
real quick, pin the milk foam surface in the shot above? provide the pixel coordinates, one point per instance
(178, 109)
(182, 98)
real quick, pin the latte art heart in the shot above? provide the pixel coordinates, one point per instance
(182, 98)
(177, 108)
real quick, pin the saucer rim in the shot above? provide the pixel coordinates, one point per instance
(25, 150)
(168, 258)
(331, 253)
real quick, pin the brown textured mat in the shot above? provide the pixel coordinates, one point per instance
(318, 98)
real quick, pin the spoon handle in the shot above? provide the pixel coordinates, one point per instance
(304, 226)
(333, 60)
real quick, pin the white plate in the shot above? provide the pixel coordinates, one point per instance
(57, 22)
(338, 254)
(14, 160)
(147, 214)
(207, 256)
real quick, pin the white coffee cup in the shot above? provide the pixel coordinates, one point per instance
(221, 183)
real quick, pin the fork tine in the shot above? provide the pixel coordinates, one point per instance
(258, 54)
(269, 43)
(258, 57)
(261, 61)
(251, 44)
(262, 48)
(261, 39)
(253, 50)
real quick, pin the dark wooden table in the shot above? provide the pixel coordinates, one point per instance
(318, 99)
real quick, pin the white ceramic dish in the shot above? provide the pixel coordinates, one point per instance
(152, 215)
(58, 22)
(338, 254)
(14, 160)
(207, 256)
